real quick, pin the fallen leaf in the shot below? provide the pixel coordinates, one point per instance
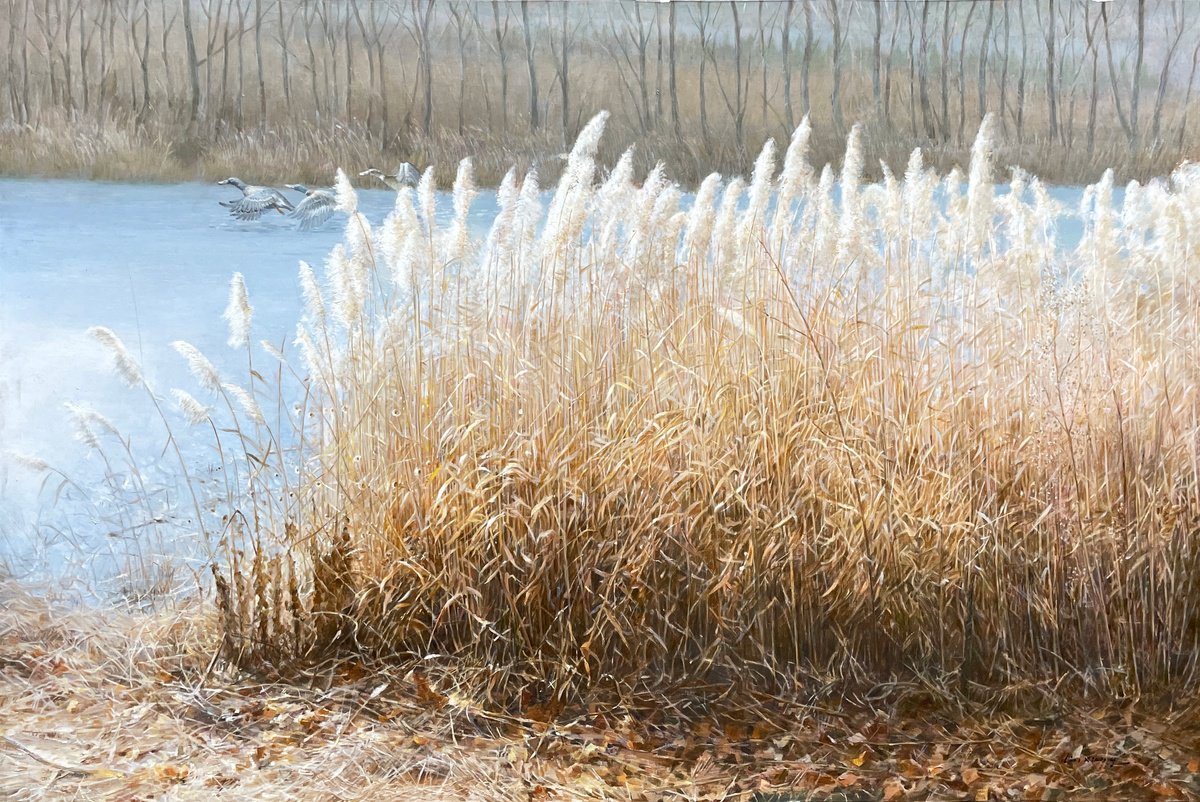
(862, 757)
(970, 775)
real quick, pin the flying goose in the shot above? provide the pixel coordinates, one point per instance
(406, 176)
(317, 207)
(255, 200)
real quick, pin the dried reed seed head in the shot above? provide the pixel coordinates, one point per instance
(344, 194)
(314, 301)
(199, 365)
(89, 424)
(238, 312)
(128, 369)
(193, 411)
(247, 402)
(28, 461)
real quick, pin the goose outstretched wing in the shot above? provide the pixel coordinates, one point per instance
(254, 204)
(315, 209)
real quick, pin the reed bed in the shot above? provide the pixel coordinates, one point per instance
(806, 432)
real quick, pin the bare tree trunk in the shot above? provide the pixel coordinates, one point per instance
(877, 60)
(962, 74)
(985, 46)
(673, 86)
(502, 54)
(1179, 13)
(348, 51)
(887, 68)
(835, 99)
(923, 77)
(1090, 34)
(534, 121)
(785, 43)
(806, 57)
(658, 64)
(193, 67)
(944, 58)
(285, 59)
(1051, 93)
(1134, 123)
(1021, 75)
(1112, 76)
(1004, 71)
(144, 112)
(1187, 98)
(258, 59)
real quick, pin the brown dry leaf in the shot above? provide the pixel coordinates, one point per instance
(848, 779)
(970, 775)
(982, 793)
(860, 759)
(893, 789)
(1193, 765)
(172, 773)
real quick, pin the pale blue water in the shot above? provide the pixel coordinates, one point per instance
(153, 263)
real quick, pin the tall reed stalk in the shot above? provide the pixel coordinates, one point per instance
(796, 431)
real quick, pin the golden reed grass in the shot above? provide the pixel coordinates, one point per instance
(806, 430)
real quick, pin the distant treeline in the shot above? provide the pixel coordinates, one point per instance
(1075, 84)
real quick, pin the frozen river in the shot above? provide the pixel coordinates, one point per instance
(151, 262)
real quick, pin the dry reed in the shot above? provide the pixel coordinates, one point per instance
(814, 437)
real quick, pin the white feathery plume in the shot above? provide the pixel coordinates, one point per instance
(273, 351)
(568, 209)
(753, 219)
(794, 181)
(399, 226)
(979, 187)
(700, 218)
(309, 351)
(238, 312)
(314, 301)
(498, 246)
(347, 300)
(344, 194)
(918, 196)
(826, 221)
(892, 207)
(528, 215)
(247, 402)
(458, 242)
(797, 172)
(722, 238)
(88, 422)
(192, 410)
(200, 367)
(851, 217)
(28, 461)
(127, 368)
(427, 201)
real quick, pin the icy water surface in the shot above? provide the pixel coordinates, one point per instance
(153, 263)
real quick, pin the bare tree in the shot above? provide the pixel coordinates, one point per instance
(562, 68)
(534, 120)
(785, 41)
(193, 66)
(672, 82)
(1179, 20)
(502, 54)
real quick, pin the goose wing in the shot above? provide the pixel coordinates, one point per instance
(408, 175)
(315, 209)
(253, 205)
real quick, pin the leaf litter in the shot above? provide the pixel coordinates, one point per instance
(128, 707)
